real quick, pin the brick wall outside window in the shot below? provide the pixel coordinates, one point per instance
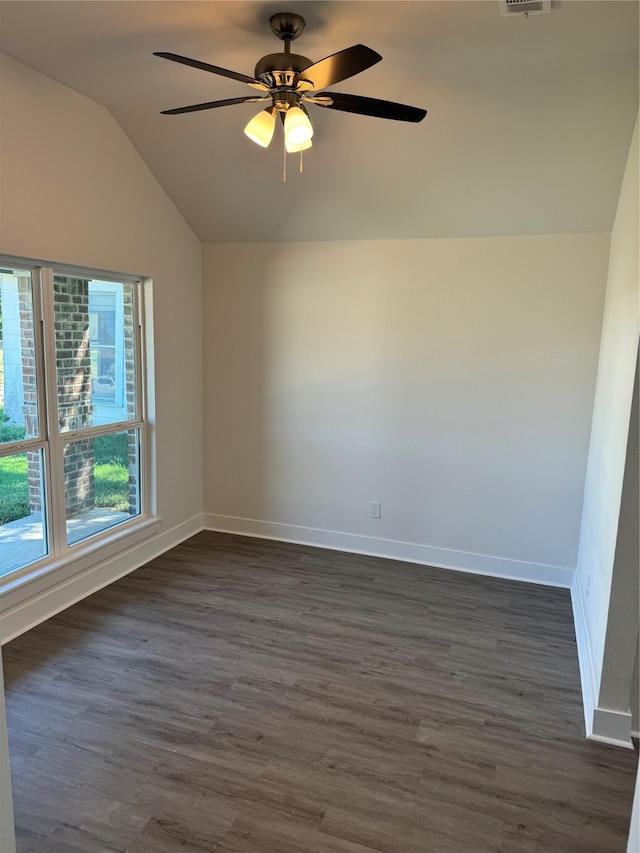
(73, 370)
(30, 391)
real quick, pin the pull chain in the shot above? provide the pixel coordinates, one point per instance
(301, 159)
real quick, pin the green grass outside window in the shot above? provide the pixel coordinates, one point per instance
(111, 474)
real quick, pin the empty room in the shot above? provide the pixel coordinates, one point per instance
(319, 426)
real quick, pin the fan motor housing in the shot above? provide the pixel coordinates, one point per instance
(279, 69)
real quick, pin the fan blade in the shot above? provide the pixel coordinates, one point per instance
(211, 105)
(345, 63)
(371, 107)
(204, 66)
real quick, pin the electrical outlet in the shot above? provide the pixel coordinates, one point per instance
(375, 509)
(588, 586)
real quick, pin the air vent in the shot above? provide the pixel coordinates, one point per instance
(524, 7)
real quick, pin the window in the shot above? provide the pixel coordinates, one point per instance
(72, 428)
(102, 337)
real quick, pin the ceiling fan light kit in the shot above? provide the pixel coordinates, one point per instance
(297, 127)
(261, 127)
(292, 148)
(290, 81)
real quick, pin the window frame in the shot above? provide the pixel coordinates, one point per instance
(119, 393)
(51, 441)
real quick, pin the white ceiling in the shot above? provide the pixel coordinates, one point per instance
(528, 126)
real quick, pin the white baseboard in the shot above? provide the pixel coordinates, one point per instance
(47, 592)
(460, 561)
(601, 724)
(585, 659)
(612, 727)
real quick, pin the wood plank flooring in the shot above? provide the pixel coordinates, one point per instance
(246, 696)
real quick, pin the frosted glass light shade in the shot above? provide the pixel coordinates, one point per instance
(297, 127)
(293, 149)
(261, 127)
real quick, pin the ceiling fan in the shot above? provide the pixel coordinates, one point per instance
(289, 81)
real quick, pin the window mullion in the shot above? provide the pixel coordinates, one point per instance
(96, 432)
(144, 451)
(54, 481)
(9, 448)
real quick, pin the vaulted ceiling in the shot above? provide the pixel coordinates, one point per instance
(527, 132)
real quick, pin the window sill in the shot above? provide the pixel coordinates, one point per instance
(110, 544)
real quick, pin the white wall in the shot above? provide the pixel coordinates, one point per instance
(633, 844)
(73, 189)
(594, 605)
(635, 695)
(453, 380)
(621, 637)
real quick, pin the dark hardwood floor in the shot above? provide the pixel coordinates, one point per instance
(250, 696)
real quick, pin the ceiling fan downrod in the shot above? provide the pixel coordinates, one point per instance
(279, 70)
